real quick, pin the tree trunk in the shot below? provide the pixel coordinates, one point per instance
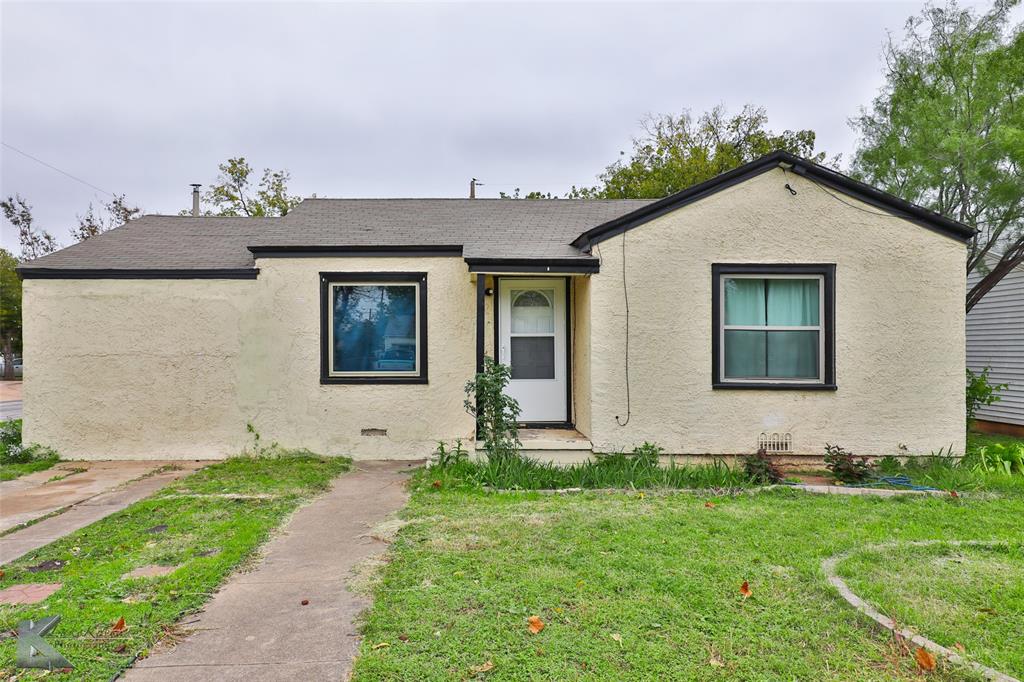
(8, 351)
(986, 283)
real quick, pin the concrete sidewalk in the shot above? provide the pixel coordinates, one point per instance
(256, 628)
(105, 488)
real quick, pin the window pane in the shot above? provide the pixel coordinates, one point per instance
(374, 328)
(744, 301)
(793, 355)
(745, 354)
(532, 311)
(533, 357)
(792, 302)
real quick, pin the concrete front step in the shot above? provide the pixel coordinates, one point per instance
(562, 446)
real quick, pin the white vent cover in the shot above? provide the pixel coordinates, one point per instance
(775, 442)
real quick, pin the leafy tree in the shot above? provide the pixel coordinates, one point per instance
(517, 194)
(234, 195)
(947, 129)
(676, 152)
(10, 311)
(34, 243)
(111, 214)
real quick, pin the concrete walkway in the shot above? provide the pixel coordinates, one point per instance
(88, 496)
(256, 628)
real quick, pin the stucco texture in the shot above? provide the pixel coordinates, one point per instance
(899, 327)
(175, 369)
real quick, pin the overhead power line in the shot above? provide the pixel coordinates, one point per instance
(52, 167)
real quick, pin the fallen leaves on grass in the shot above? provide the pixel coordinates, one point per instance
(618, 638)
(380, 645)
(436, 484)
(536, 624)
(925, 660)
(485, 667)
(403, 637)
(715, 661)
(709, 505)
(960, 647)
(119, 626)
(745, 590)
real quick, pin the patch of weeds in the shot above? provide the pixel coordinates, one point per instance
(65, 473)
(18, 459)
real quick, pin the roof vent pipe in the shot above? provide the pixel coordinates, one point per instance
(195, 199)
(472, 188)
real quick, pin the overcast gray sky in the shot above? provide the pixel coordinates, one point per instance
(360, 100)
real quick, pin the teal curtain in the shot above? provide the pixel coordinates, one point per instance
(792, 302)
(771, 354)
(744, 301)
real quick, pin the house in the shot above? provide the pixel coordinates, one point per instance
(780, 304)
(995, 339)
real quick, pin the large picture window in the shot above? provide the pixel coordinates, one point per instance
(773, 326)
(374, 327)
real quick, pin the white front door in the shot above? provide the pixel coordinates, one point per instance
(531, 335)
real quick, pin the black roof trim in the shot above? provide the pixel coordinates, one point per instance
(800, 166)
(118, 273)
(583, 266)
(299, 251)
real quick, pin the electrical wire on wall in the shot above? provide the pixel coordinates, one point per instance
(625, 296)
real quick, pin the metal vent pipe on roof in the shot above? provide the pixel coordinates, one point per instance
(195, 199)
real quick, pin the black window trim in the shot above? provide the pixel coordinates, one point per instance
(826, 270)
(329, 278)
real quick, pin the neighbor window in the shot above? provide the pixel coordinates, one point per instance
(772, 327)
(374, 327)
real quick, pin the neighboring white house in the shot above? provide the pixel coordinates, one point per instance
(995, 338)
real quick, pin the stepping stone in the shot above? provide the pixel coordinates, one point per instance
(29, 593)
(149, 571)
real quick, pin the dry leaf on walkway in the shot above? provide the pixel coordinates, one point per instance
(119, 626)
(745, 590)
(380, 645)
(482, 668)
(952, 493)
(536, 624)
(924, 658)
(305, 602)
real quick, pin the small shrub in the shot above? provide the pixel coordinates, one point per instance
(497, 414)
(12, 451)
(999, 458)
(448, 456)
(980, 392)
(761, 469)
(845, 466)
(648, 454)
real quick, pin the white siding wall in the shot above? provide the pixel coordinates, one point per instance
(995, 338)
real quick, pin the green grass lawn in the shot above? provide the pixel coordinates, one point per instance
(9, 472)
(973, 596)
(647, 587)
(207, 536)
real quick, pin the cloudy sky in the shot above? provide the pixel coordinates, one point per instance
(399, 99)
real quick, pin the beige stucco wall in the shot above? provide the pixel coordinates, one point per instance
(899, 327)
(581, 386)
(176, 368)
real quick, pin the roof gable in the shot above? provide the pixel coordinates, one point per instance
(798, 165)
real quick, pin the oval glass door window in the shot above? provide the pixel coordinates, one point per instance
(533, 312)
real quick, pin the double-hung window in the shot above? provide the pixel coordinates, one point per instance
(373, 327)
(773, 326)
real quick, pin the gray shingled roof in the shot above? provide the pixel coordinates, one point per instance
(485, 228)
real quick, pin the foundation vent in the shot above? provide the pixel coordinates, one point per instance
(775, 442)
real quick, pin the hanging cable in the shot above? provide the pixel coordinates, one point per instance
(52, 167)
(625, 297)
